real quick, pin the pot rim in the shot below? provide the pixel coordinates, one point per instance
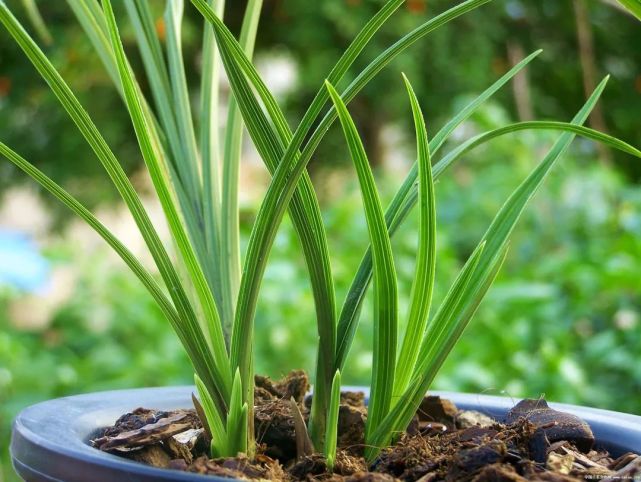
(49, 439)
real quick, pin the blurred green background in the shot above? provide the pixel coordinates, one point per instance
(564, 316)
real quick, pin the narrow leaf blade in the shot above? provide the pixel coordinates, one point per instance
(385, 289)
(423, 285)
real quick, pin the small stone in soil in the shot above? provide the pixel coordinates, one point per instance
(472, 418)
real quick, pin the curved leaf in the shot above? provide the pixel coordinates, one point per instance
(385, 287)
(399, 208)
(423, 285)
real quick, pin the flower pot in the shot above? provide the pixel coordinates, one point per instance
(49, 440)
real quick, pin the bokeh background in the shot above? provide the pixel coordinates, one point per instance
(564, 316)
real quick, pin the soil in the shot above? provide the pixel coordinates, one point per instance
(443, 443)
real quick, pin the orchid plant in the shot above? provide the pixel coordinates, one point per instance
(208, 291)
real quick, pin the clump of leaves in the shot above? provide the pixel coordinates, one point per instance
(206, 296)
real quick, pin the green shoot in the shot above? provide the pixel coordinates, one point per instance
(332, 422)
(219, 442)
(237, 419)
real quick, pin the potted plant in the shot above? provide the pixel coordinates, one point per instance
(211, 302)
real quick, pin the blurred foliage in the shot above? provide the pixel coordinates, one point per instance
(465, 57)
(469, 55)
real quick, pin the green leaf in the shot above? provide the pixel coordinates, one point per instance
(36, 20)
(400, 207)
(210, 152)
(237, 419)
(385, 289)
(468, 290)
(219, 446)
(582, 131)
(231, 169)
(452, 304)
(153, 61)
(180, 102)
(422, 287)
(632, 6)
(326, 311)
(291, 166)
(467, 304)
(307, 220)
(331, 433)
(92, 20)
(156, 69)
(151, 156)
(304, 210)
(199, 351)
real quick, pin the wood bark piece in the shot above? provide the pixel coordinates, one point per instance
(182, 445)
(551, 426)
(148, 434)
(304, 445)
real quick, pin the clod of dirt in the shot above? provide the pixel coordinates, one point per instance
(436, 409)
(370, 477)
(307, 467)
(348, 465)
(262, 467)
(551, 426)
(498, 473)
(294, 385)
(274, 420)
(351, 428)
(468, 461)
(414, 457)
(353, 399)
(275, 429)
(315, 465)
(476, 434)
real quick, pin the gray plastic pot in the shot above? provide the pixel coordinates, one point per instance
(49, 440)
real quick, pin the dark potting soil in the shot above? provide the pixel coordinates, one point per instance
(535, 443)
